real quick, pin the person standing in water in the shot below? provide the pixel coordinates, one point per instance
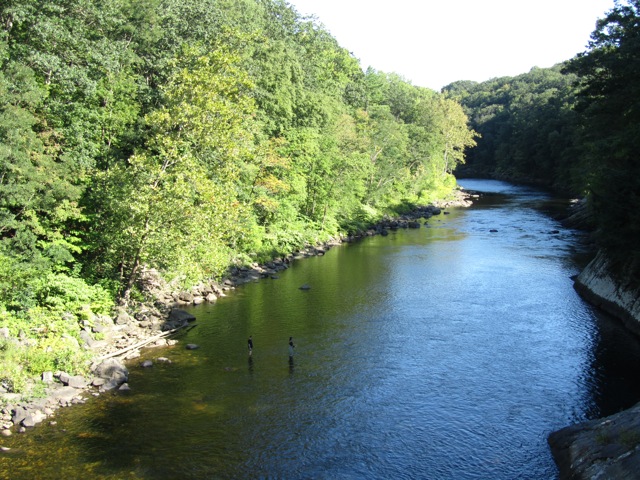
(250, 345)
(291, 347)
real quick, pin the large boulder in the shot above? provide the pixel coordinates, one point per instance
(75, 381)
(113, 372)
(603, 448)
(179, 316)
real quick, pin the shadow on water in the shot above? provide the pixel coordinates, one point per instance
(446, 352)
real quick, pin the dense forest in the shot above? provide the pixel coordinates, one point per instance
(190, 136)
(186, 136)
(574, 128)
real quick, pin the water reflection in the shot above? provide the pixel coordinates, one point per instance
(444, 352)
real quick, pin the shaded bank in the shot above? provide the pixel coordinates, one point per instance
(608, 447)
(149, 324)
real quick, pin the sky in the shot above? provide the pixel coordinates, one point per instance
(432, 43)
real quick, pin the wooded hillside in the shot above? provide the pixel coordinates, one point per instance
(188, 136)
(574, 128)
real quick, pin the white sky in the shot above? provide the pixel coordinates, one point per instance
(432, 43)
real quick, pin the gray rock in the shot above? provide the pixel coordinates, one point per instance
(211, 298)
(33, 418)
(123, 318)
(192, 346)
(47, 377)
(109, 385)
(602, 448)
(75, 381)
(112, 370)
(19, 414)
(63, 395)
(147, 364)
(87, 339)
(186, 297)
(124, 387)
(177, 316)
(97, 382)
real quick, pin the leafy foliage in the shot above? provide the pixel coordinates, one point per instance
(189, 136)
(574, 127)
(609, 88)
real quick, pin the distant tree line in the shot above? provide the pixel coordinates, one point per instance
(188, 136)
(574, 128)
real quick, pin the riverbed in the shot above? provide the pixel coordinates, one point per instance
(447, 352)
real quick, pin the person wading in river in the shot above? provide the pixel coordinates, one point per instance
(250, 344)
(291, 347)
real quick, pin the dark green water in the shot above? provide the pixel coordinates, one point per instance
(448, 352)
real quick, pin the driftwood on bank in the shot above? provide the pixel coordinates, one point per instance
(144, 342)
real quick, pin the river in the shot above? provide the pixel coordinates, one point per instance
(445, 352)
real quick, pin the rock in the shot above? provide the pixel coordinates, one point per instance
(124, 387)
(4, 333)
(75, 381)
(47, 377)
(88, 339)
(211, 298)
(596, 284)
(198, 300)
(97, 382)
(6, 432)
(63, 395)
(112, 370)
(413, 224)
(305, 287)
(146, 364)
(133, 354)
(192, 346)
(180, 316)
(123, 318)
(186, 297)
(19, 414)
(109, 385)
(493, 230)
(33, 418)
(603, 448)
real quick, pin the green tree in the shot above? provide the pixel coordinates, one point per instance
(174, 204)
(610, 82)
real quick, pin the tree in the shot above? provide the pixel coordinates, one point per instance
(610, 86)
(174, 204)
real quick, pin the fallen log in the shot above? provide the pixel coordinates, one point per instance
(144, 342)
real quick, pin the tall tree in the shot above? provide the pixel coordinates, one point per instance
(610, 86)
(174, 204)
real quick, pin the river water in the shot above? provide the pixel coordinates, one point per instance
(445, 352)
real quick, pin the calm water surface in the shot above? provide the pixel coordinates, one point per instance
(447, 352)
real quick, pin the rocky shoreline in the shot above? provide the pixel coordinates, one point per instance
(607, 447)
(151, 325)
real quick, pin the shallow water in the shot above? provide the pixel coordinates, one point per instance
(446, 352)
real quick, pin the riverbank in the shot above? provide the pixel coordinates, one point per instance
(607, 447)
(156, 322)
